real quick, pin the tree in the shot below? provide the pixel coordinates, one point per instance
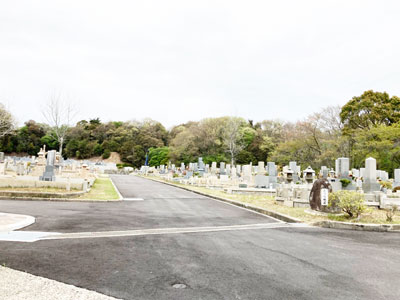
(381, 142)
(233, 137)
(59, 113)
(370, 109)
(158, 156)
(7, 122)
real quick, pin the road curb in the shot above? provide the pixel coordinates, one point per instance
(358, 226)
(257, 209)
(55, 199)
(28, 220)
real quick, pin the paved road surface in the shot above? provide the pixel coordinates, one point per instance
(279, 262)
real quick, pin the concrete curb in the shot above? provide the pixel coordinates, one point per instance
(56, 199)
(12, 194)
(358, 226)
(257, 209)
(26, 221)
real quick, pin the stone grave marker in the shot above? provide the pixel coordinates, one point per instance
(396, 182)
(370, 184)
(222, 168)
(343, 167)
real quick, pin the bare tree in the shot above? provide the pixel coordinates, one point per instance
(59, 113)
(7, 122)
(233, 137)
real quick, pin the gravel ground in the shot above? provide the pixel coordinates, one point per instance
(16, 285)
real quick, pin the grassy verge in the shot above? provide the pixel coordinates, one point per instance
(371, 216)
(102, 190)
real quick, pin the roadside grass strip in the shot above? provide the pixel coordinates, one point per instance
(102, 190)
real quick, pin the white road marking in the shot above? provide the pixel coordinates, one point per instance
(133, 199)
(159, 231)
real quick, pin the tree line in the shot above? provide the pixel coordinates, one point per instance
(367, 125)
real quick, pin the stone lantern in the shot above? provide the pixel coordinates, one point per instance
(309, 174)
(289, 175)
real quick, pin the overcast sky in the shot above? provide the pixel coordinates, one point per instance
(175, 61)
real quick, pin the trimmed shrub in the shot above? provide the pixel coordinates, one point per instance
(345, 182)
(351, 203)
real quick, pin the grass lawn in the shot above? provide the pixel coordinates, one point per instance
(375, 216)
(102, 189)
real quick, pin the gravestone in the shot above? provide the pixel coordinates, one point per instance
(48, 174)
(228, 169)
(324, 172)
(238, 170)
(396, 182)
(383, 175)
(343, 167)
(295, 169)
(356, 173)
(222, 168)
(272, 174)
(201, 165)
(207, 168)
(1, 157)
(261, 168)
(261, 181)
(188, 175)
(213, 168)
(233, 172)
(224, 178)
(247, 173)
(370, 184)
(362, 172)
(182, 167)
(20, 168)
(315, 194)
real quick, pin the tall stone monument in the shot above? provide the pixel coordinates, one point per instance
(48, 174)
(343, 167)
(370, 184)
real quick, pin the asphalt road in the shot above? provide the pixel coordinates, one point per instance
(268, 263)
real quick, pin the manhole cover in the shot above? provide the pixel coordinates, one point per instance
(179, 286)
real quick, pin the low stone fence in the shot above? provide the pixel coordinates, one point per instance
(15, 182)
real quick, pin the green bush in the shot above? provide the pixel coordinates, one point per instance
(345, 182)
(106, 154)
(351, 203)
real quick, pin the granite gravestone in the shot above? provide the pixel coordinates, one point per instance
(222, 168)
(396, 182)
(48, 174)
(370, 184)
(342, 167)
(201, 165)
